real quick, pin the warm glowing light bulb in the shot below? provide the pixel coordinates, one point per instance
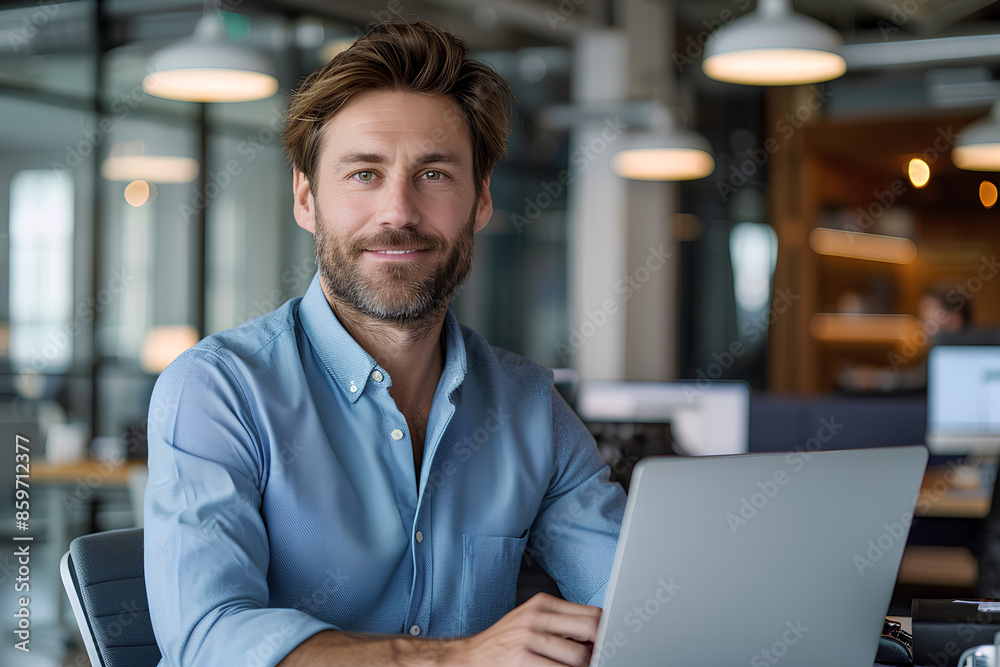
(138, 193)
(919, 172)
(987, 194)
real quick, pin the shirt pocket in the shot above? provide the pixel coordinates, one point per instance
(490, 566)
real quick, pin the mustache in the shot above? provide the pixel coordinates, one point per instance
(396, 239)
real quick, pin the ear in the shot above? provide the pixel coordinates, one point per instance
(484, 207)
(304, 207)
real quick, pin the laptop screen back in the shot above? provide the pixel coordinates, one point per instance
(760, 558)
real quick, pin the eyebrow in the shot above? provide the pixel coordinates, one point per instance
(447, 158)
(378, 158)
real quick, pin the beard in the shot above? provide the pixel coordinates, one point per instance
(403, 293)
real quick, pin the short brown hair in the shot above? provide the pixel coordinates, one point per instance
(411, 57)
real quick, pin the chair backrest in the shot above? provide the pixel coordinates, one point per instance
(103, 577)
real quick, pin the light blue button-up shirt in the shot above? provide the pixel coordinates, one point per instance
(282, 498)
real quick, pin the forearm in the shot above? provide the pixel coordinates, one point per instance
(331, 648)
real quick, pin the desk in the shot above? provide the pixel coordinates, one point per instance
(948, 566)
(940, 497)
(111, 474)
(73, 485)
(69, 486)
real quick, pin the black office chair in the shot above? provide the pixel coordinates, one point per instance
(103, 577)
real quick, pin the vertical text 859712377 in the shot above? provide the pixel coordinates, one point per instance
(22, 550)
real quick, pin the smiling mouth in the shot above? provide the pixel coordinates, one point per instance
(398, 253)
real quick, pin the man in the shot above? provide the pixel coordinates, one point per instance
(353, 478)
(946, 315)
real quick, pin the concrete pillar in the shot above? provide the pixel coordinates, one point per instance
(597, 212)
(651, 340)
(623, 318)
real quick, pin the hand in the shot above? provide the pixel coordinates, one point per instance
(544, 631)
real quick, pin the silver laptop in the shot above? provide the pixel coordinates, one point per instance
(759, 559)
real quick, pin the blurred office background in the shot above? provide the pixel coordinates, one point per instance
(132, 225)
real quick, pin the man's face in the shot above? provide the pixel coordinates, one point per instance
(393, 206)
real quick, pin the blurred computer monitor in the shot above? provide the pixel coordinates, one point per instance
(963, 399)
(705, 418)
(566, 381)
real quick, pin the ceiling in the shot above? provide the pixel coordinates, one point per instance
(860, 20)
(136, 28)
(498, 24)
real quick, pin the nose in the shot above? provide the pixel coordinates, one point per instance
(397, 205)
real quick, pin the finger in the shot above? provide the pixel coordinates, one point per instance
(582, 628)
(563, 651)
(541, 661)
(558, 605)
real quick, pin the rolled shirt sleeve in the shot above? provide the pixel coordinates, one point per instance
(575, 534)
(206, 545)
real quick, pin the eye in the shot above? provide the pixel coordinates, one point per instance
(433, 175)
(365, 176)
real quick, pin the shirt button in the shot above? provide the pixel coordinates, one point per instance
(420, 537)
(377, 376)
(354, 388)
(396, 434)
(414, 630)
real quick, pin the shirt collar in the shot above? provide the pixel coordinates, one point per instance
(350, 367)
(455, 361)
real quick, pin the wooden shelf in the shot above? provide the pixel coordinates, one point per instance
(939, 498)
(849, 174)
(938, 566)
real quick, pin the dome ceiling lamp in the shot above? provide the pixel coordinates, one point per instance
(977, 147)
(774, 46)
(210, 67)
(664, 151)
